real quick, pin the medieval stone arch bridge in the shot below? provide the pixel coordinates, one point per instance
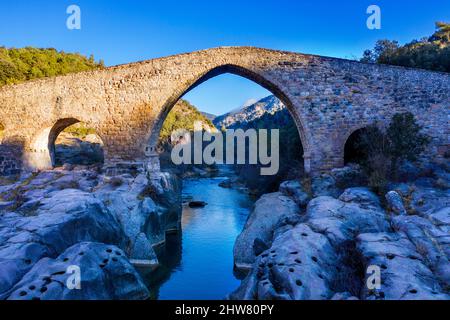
(329, 99)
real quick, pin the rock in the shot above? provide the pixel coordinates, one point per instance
(57, 209)
(6, 205)
(138, 213)
(408, 171)
(197, 204)
(362, 196)
(143, 249)
(341, 221)
(165, 190)
(411, 249)
(299, 266)
(427, 200)
(62, 220)
(16, 260)
(268, 211)
(324, 185)
(395, 203)
(259, 246)
(403, 189)
(295, 190)
(441, 217)
(344, 296)
(105, 274)
(227, 184)
(333, 183)
(431, 241)
(68, 166)
(348, 176)
(404, 274)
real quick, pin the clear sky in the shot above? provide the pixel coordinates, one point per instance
(122, 31)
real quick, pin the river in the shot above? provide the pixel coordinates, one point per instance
(198, 264)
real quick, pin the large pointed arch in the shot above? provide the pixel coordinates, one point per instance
(238, 71)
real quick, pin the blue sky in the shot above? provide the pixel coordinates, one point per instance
(122, 31)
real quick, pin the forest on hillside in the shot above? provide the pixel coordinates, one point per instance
(432, 53)
(19, 65)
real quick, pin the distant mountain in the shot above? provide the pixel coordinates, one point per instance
(209, 116)
(238, 118)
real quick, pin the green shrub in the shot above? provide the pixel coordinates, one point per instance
(384, 151)
(405, 140)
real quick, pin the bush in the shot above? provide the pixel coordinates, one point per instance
(405, 141)
(384, 152)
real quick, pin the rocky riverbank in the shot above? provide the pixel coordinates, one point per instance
(316, 239)
(75, 216)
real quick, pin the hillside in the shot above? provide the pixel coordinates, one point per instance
(209, 116)
(18, 65)
(182, 116)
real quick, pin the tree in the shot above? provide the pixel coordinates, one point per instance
(442, 33)
(384, 50)
(384, 151)
(405, 140)
(432, 53)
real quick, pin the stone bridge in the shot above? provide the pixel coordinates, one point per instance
(328, 98)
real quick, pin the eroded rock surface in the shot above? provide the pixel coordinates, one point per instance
(44, 214)
(269, 211)
(105, 274)
(326, 252)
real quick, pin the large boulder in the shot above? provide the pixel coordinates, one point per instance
(333, 183)
(295, 190)
(269, 210)
(342, 221)
(300, 265)
(431, 239)
(324, 185)
(395, 203)
(144, 221)
(105, 274)
(349, 176)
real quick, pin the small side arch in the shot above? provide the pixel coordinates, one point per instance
(351, 151)
(42, 151)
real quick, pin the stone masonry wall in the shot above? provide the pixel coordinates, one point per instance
(328, 98)
(10, 161)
